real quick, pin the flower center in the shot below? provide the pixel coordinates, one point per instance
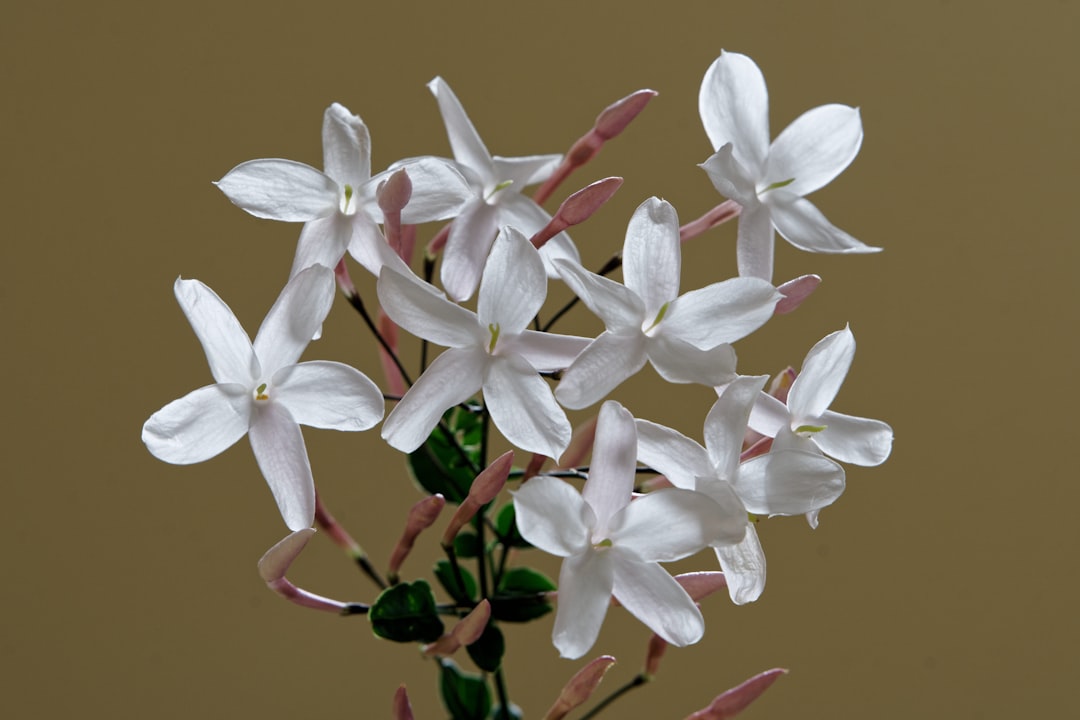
(776, 186)
(659, 316)
(260, 393)
(347, 207)
(807, 430)
(498, 188)
(493, 328)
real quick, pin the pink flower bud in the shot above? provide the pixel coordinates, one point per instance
(782, 383)
(394, 193)
(395, 383)
(344, 281)
(275, 563)
(657, 648)
(402, 709)
(422, 515)
(700, 585)
(466, 632)
(484, 489)
(536, 464)
(795, 292)
(732, 702)
(578, 208)
(580, 444)
(615, 117)
(580, 687)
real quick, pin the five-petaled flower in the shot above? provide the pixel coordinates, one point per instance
(686, 338)
(770, 181)
(261, 391)
(491, 349)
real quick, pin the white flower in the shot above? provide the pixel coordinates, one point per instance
(496, 184)
(770, 181)
(338, 206)
(490, 349)
(806, 420)
(261, 391)
(686, 338)
(614, 546)
(786, 482)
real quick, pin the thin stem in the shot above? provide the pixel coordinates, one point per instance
(639, 680)
(478, 521)
(358, 304)
(504, 699)
(451, 555)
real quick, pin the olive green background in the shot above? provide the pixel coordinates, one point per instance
(941, 585)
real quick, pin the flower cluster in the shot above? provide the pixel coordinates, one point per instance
(764, 452)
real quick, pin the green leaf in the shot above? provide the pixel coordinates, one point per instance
(506, 526)
(465, 696)
(467, 545)
(487, 651)
(406, 613)
(520, 596)
(438, 467)
(444, 572)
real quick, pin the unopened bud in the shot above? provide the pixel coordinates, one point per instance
(402, 709)
(615, 117)
(484, 489)
(581, 443)
(466, 632)
(782, 383)
(422, 515)
(344, 281)
(700, 585)
(795, 292)
(657, 648)
(536, 464)
(275, 563)
(394, 193)
(578, 208)
(580, 688)
(732, 702)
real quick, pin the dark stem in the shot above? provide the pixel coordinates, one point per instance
(639, 680)
(358, 304)
(504, 699)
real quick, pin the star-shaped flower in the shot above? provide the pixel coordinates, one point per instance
(770, 181)
(496, 184)
(686, 338)
(338, 205)
(613, 546)
(261, 391)
(806, 421)
(786, 482)
(490, 349)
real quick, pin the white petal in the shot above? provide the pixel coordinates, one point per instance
(680, 362)
(730, 178)
(227, 347)
(769, 415)
(585, 583)
(466, 143)
(200, 425)
(552, 515)
(467, 249)
(523, 408)
(368, 247)
(282, 457)
(528, 217)
(439, 190)
(656, 599)
(600, 368)
(426, 313)
(611, 472)
(814, 149)
(295, 317)
(670, 524)
(526, 170)
(547, 351)
(322, 242)
(514, 284)
(722, 312)
(280, 190)
(744, 567)
(855, 440)
(823, 372)
(329, 395)
(619, 307)
(725, 425)
(788, 482)
(346, 147)
(806, 228)
(734, 107)
(672, 454)
(652, 256)
(756, 243)
(454, 376)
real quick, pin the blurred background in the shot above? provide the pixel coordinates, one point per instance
(941, 585)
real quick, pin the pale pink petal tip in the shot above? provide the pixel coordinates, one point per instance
(732, 702)
(484, 489)
(276, 561)
(615, 117)
(422, 515)
(580, 688)
(700, 585)
(466, 632)
(578, 208)
(657, 647)
(394, 193)
(344, 280)
(402, 709)
(795, 292)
